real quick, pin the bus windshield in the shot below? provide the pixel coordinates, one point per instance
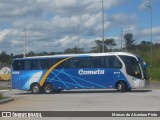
(132, 66)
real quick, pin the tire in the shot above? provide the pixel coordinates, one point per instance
(48, 88)
(121, 87)
(36, 89)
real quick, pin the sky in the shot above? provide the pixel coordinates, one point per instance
(55, 25)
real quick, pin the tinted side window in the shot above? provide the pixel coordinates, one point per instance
(30, 65)
(112, 62)
(95, 62)
(44, 64)
(63, 65)
(78, 63)
(18, 65)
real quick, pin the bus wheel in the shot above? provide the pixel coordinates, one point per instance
(121, 87)
(47, 88)
(35, 88)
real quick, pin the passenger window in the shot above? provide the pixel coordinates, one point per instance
(78, 63)
(18, 65)
(64, 64)
(50, 63)
(44, 64)
(30, 65)
(95, 62)
(112, 62)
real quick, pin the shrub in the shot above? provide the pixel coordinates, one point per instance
(0, 96)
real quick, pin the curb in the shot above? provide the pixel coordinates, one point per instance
(6, 100)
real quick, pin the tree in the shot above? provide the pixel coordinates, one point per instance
(98, 46)
(74, 50)
(107, 45)
(146, 43)
(109, 42)
(129, 40)
(30, 54)
(5, 58)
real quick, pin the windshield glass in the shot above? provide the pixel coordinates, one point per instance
(132, 66)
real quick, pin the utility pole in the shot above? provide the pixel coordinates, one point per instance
(121, 39)
(78, 40)
(151, 50)
(84, 45)
(103, 28)
(24, 43)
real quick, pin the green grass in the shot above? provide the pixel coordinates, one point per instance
(155, 72)
(5, 88)
(3, 97)
(0, 96)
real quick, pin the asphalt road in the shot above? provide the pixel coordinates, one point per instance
(97, 100)
(147, 99)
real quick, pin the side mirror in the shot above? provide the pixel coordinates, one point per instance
(144, 65)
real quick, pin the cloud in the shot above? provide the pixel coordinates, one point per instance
(15, 9)
(155, 31)
(53, 25)
(122, 18)
(157, 39)
(76, 7)
(144, 4)
(16, 42)
(3, 34)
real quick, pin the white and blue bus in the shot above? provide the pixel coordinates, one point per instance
(46, 74)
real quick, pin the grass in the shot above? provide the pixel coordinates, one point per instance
(1, 96)
(5, 88)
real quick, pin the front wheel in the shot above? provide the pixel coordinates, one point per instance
(47, 88)
(36, 89)
(121, 87)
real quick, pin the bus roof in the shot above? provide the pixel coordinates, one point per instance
(78, 55)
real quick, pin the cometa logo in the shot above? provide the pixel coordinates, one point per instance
(91, 72)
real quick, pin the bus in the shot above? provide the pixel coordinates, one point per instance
(48, 74)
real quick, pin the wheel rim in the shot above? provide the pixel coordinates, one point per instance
(35, 89)
(48, 89)
(119, 87)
